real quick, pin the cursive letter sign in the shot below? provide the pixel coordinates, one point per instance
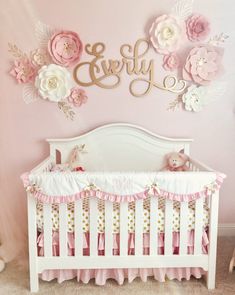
(133, 62)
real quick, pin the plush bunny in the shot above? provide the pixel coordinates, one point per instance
(74, 158)
(2, 265)
(73, 161)
(176, 162)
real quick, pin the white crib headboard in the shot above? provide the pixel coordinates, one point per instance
(119, 147)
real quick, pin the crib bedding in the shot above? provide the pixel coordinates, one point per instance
(131, 216)
(64, 187)
(120, 274)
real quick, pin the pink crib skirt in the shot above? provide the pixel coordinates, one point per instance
(101, 275)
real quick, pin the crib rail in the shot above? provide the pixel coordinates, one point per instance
(123, 259)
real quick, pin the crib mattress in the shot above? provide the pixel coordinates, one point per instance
(131, 216)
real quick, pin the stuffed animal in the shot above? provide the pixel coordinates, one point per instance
(176, 162)
(73, 162)
(60, 167)
(2, 265)
(74, 158)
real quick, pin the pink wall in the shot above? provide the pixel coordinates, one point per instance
(23, 128)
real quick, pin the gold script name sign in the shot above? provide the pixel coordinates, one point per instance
(133, 62)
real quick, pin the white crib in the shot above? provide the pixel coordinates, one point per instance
(122, 147)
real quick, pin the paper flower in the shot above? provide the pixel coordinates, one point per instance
(39, 57)
(166, 34)
(198, 27)
(195, 98)
(23, 70)
(171, 62)
(65, 48)
(77, 97)
(53, 82)
(203, 64)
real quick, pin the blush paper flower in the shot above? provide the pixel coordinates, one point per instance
(39, 57)
(198, 27)
(65, 48)
(77, 97)
(53, 82)
(166, 34)
(23, 71)
(171, 62)
(203, 64)
(195, 98)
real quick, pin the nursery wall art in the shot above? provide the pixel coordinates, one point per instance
(52, 71)
(132, 62)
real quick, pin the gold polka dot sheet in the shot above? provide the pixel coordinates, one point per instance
(160, 215)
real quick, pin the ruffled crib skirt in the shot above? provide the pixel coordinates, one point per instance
(101, 275)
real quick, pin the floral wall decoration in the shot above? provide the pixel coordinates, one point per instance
(203, 64)
(46, 72)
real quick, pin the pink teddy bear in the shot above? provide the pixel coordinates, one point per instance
(176, 162)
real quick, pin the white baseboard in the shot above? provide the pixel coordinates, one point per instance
(226, 229)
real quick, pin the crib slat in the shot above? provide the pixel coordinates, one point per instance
(123, 228)
(154, 226)
(108, 228)
(78, 232)
(168, 227)
(93, 226)
(183, 228)
(47, 218)
(139, 228)
(63, 229)
(198, 226)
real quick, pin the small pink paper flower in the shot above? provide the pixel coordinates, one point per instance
(171, 62)
(23, 70)
(39, 57)
(203, 64)
(77, 97)
(198, 27)
(65, 48)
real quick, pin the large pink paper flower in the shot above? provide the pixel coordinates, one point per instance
(23, 70)
(203, 64)
(198, 27)
(77, 97)
(166, 34)
(171, 62)
(65, 48)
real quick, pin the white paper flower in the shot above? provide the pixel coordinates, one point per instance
(166, 34)
(195, 98)
(53, 82)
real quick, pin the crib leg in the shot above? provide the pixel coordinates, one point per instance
(212, 265)
(210, 279)
(32, 240)
(213, 231)
(34, 284)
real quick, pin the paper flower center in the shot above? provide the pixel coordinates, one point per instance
(195, 97)
(168, 33)
(201, 61)
(39, 58)
(52, 83)
(199, 28)
(68, 46)
(77, 97)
